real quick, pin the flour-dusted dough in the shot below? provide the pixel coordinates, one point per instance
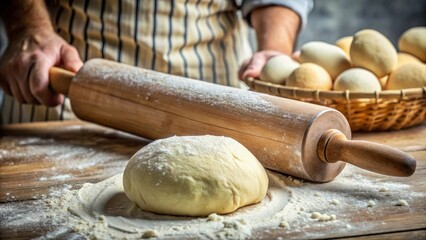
(409, 75)
(277, 69)
(332, 58)
(373, 51)
(413, 41)
(404, 58)
(194, 176)
(311, 76)
(345, 44)
(358, 80)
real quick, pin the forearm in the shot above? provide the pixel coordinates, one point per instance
(20, 16)
(276, 28)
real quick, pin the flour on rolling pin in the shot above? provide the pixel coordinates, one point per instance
(149, 82)
(155, 105)
(341, 200)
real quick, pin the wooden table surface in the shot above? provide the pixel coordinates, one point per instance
(39, 160)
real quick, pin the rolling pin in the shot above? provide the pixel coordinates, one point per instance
(301, 139)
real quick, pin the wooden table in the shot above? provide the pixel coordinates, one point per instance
(39, 160)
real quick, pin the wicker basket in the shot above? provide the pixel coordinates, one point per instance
(365, 111)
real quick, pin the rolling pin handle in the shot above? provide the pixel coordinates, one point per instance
(60, 79)
(333, 146)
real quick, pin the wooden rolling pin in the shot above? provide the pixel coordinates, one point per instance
(301, 139)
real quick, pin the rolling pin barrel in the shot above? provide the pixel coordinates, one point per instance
(285, 135)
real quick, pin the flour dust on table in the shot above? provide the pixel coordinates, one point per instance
(104, 210)
(99, 211)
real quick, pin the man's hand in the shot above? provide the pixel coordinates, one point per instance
(253, 66)
(32, 50)
(24, 68)
(276, 31)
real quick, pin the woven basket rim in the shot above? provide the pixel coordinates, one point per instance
(295, 92)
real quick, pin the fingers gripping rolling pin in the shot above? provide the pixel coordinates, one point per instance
(301, 139)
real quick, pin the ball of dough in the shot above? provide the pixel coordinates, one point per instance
(277, 69)
(345, 44)
(358, 80)
(330, 57)
(410, 75)
(404, 58)
(413, 41)
(310, 75)
(373, 51)
(194, 176)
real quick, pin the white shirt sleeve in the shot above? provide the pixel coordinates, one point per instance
(301, 7)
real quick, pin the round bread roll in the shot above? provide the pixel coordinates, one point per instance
(373, 51)
(310, 75)
(358, 80)
(194, 176)
(410, 75)
(345, 44)
(277, 69)
(404, 58)
(330, 57)
(413, 41)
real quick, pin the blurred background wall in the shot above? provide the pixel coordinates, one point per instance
(333, 19)
(3, 38)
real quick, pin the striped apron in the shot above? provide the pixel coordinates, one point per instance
(199, 39)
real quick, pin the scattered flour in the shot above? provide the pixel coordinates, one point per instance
(326, 217)
(94, 156)
(101, 211)
(323, 217)
(335, 202)
(315, 215)
(150, 234)
(284, 224)
(402, 202)
(371, 203)
(89, 203)
(214, 217)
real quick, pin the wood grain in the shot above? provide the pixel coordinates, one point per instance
(282, 133)
(406, 235)
(39, 158)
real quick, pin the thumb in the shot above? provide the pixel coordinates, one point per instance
(254, 67)
(70, 58)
